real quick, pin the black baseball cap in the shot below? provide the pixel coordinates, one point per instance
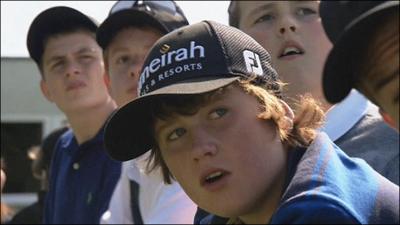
(194, 59)
(53, 21)
(163, 15)
(348, 24)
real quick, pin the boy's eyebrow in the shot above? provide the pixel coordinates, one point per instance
(125, 49)
(119, 49)
(55, 58)
(217, 97)
(85, 50)
(82, 50)
(265, 7)
(271, 5)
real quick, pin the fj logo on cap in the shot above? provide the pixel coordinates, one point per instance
(253, 64)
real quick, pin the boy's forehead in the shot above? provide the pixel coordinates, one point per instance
(244, 6)
(123, 37)
(76, 43)
(79, 35)
(133, 28)
(247, 6)
(243, 9)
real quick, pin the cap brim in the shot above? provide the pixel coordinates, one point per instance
(110, 27)
(128, 132)
(339, 69)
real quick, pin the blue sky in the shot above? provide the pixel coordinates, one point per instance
(16, 17)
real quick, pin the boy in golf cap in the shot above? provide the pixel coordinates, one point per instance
(365, 55)
(210, 111)
(126, 36)
(61, 41)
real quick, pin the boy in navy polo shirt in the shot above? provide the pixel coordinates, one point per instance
(62, 42)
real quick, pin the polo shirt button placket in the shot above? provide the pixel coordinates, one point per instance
(75, 166)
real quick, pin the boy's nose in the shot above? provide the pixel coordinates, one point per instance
(203, 145)
(287, 25)
(284, 29)
(72, 69)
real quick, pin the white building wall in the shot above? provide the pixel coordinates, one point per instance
(21, 98)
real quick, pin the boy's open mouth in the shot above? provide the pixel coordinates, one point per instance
(213, 180)
(290, 48)
(291, 51)
(214, 177)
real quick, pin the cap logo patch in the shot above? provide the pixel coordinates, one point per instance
(253, 64)
(164, 48)
(175, 57)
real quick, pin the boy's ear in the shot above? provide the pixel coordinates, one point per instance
(289, 116)
(45, 90)
(387, 118)
(288, 110)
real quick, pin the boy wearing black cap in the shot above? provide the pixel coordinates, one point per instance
(126, 36)
(222, 131)
(61, 41)
(292, 32)
(365, 55)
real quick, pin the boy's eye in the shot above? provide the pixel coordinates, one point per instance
(57, 64)
(218, 113)
(122, 59)
(175, 134)
(305, 11)
(86, 57)
(266, 17)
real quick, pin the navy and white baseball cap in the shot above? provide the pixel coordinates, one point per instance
(194, 59)
(53, 21)
(348, 24)
(163, 15)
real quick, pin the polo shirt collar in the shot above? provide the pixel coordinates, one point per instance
(341, 117)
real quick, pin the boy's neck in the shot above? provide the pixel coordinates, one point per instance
(87, 123)
(262, 213)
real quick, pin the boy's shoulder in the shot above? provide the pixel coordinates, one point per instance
(374, 141)
(370, 131)
(328, 179)
(307, 210)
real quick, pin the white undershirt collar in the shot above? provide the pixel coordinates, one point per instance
(341, 117)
